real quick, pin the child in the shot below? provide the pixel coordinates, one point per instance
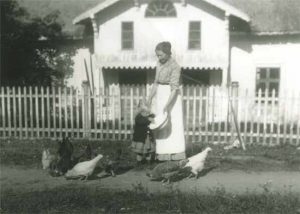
(143, 140)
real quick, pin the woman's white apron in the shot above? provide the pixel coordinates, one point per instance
(169, 139)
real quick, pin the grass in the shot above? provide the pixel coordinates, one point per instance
(73, 198)
(285, 157)
(89, 200)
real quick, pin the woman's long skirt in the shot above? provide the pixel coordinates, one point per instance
(170, 141)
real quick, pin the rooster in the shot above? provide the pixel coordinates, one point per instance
(178, 170)
(83, 169)
(196, 162)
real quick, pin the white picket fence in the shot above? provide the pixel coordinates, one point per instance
(38, 112)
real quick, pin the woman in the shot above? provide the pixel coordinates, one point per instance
(170, 142)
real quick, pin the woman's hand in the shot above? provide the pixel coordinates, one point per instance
(166, 109)
(149, 102)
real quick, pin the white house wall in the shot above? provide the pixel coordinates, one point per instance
(149, 31)
(246, 57)
(79, 69)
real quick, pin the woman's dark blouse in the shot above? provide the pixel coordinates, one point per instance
(141, 128)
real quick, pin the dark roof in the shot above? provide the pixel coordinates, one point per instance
(271, 16)
(267, 16)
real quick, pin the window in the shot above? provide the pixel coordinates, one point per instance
(127, 35)
(267, 78)
(160, 9)
(195, 35)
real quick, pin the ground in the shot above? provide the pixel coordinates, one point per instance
(263, 175)
(235, 181)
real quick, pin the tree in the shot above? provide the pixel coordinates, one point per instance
(30, 48)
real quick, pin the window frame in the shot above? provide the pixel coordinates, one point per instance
(267, 80)
(193, 31)
(155, 16)
(123, 31)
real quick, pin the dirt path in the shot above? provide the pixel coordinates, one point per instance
(24, 180)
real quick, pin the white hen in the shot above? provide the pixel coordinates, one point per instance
(47, 159)
(83, 169)
(197, 161)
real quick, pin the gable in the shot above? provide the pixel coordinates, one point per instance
(266, 16)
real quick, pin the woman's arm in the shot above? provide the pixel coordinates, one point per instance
(152, 93)
(174, 83)
(153, 89)
(171, 99)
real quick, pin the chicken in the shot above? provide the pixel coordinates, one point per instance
(111, 164)
(47, 159)
(235, 144)
(83, 169)
(197, 161)
(64, 163)
(85, 156)
(162, 170)
(178, 170)
(65, 149)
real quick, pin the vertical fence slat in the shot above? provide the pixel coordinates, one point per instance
(3, 111)
(43, 113)
(26, 111)
(125, 109)
(194, 114)
(2, 115)
(14, 114)
(89, 120)
(8, 111)
(246, 109)
(77, 114)
(106, 111)
(60, 111)
(187, 110)
(265, 110)
(20, 112)
(95, 108)
(220, 112)
(54, 112)
(291, 112)
(37, 119)
(258, 116)
(213, 113)
(206, 133)
(113, 112)
(272, 115)
(119, 113)
(200, 111)
(65, 96)
(31, 112)
(285, 111)
(227, 103)
(72, 111)
(278, 120)
(48, 112)
(101, 92)
(131, 110)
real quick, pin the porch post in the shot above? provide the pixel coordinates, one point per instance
(226, 69)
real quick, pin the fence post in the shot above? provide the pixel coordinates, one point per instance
(86, 119)
(233, 109)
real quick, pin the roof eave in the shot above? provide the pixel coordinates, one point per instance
(91, 13)
(230, 10)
